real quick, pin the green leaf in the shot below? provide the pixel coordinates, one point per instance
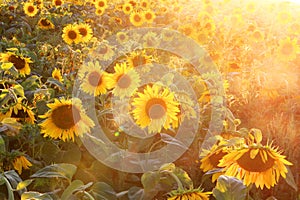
(183, 177)
(54, 81)
(2, 145)
(35, 196)
(23, 184)
(169, 167)
(13, 178)
(229, 188)
(102, 190)
(70, 189)
(9, 188)
(18, 90)
(290, 179)
(150, 180)
(62, 170)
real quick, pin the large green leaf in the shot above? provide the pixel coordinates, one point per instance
(103, 191)
(23, 184)
(62, 170)
(229, 188)
(2, 145)
(183, 177)
(35, 196)
(70, 189)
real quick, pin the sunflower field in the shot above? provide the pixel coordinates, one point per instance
(149, 99)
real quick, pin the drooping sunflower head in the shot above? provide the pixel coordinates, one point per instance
(255, 163)
(22, 112)
(21, 163)
(85, 31)
(125, 80)
(20, 62)
(45, 24)
(30, 9)
(65, 120)
(95, 81)
(191, 194)
(56, 74)
(155, 108)
(71, 34)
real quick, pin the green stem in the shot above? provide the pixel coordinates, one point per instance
(88, 195)
(179, 184)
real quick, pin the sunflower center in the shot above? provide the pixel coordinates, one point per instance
(137, 18)
(83, 31)
(101, 4)
(287, 49)
(156, 108)
(103, 49)
(30, 9)
(122, 37)
(216, 157)
(148, 16)
(95, 79)
(58, 2)
(139, 60)
(66, 116)
(72, 35)
(256, 164)
(124, 81)
(45, 22)
(18, 62)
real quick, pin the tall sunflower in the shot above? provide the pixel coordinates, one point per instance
(20, 62)
(71, 34)
(156, 108)
(45, 24)
(101, 4)
(94, 79)
(65, 120)
(149, 16)
(139, 58)
(57, 2)
(30, 9)
(192, 194)
(127, 8)
(125, 80)
(255, 163)
(85, 31)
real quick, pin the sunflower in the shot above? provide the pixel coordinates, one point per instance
(257, 36)
(192, 194)
(137, 18)
(94, 80)
(57, 2)
(127, 8)
(122, 37)
(71, 34)
(20, 163)
(99, 11)
(102, 4)
(138, 58)
(21, 111)
(30, 9)
(255, 163)
(149, 16)
(65, 120)
(125, 80)
(288, 49)
(85, 31)
(156, 108)
(284, 17)
(20, 63)
(45, 24)
(211, 159)
(56, 74)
